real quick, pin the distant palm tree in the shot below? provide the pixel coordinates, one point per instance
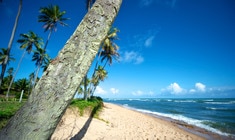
(27, 42)
(7, 79)
(10, 71)
(40, 57)
(10, 74)
(108, 51)
(22, 84)
(4, 63)
(46, 63)
(86, 82)
(109, 48)
(51, 16)
(3, 55)
(100, 75)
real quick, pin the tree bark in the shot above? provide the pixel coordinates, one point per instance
(38, 118)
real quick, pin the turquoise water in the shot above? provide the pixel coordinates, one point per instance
(215, 115)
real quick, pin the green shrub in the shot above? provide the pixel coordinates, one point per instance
(93, 104)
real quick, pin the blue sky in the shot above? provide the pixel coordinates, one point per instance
(168, 48)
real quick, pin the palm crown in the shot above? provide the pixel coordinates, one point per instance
(40, 57)
(28, 40)
(109, 49)
(51, 16)
(3, 55)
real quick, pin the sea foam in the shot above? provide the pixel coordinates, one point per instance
(190, 121)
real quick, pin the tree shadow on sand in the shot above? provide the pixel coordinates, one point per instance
(83, 130)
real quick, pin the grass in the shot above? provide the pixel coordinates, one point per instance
(7, 110)
(92, 106)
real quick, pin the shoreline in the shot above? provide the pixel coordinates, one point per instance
(117, 122)
(209, 135)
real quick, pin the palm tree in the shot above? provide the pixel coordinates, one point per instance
(10, 75)
(46, 63)
(109, 48)
(3, 55)
(27, 42)
(7, 79)
(51, 16)
(4, 64)
(22, 84)
(100, 75)
(39, 116)
(41, 58)
(85, 83)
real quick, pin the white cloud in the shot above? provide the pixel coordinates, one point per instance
(200, 87)
(149, 41)
(137, 93)
(192, 90)
(114, 90)
(132, 57)
(100, 90)
(174, 88)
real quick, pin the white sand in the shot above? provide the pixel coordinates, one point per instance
(118, 123)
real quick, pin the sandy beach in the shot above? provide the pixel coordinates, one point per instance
(118, 123)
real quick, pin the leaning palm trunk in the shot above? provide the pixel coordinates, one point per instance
(36, 74)
(38, 118)
(4, 65)
(17, 69)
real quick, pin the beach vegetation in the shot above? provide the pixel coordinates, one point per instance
(92, 105)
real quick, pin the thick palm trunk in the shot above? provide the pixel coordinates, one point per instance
(38, 118)
(4, 65)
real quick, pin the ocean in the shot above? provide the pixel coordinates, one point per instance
(215, 115)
